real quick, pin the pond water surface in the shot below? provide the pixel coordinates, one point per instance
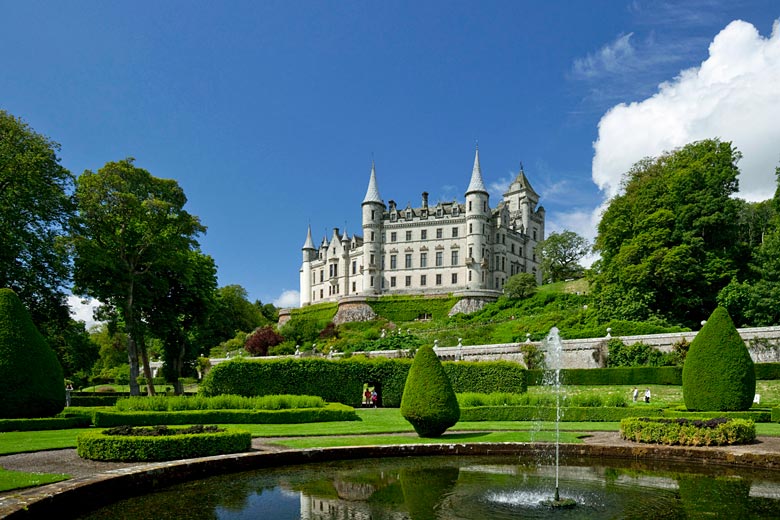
(464, 488)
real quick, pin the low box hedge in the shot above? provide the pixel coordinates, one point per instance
(94, 400)
(330, 412)
(545, 413)
(757, 416)
(95, 445)
(612, 376)
(47, 423)
(688, 432)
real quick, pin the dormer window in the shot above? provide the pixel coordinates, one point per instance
(408, 214)
(439, 212)
(455, 211)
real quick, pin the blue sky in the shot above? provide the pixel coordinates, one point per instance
(269, 113)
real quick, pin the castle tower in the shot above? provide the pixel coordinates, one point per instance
(309, 254)
(477, 217)
(522, 201)
(373, 208)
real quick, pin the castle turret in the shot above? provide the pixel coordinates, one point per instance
(309, 254)
(477, 217)
(373, 208)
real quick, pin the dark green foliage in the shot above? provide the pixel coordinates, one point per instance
(767, 371)
(613, 376)
(486, 377)
(635, 355)
(30, 373)
(98, 446)
(330, 412)
(539, 413)
(533, 356)
(94, 400)
(429, 402)
(670, 242)
(342, 380)
(306, 323)
(718, 373)
(49, 423)
(521, 285)
(688, 432)
(560, 254)
(400, 309)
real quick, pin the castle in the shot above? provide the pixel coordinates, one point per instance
(463, 249)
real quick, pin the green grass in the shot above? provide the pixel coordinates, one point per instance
(17, 479)
(21, 442)
(447, 438)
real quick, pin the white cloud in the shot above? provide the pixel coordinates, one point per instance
(288, 298)
(82, 310)
(732, 95)
(609, 59)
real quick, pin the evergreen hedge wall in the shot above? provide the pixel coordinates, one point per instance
(409, 308)
(342, 380)
(613, 376)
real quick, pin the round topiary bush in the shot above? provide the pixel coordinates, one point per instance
(428, 401)
(31, 375)
(718, 374)
(161, 443)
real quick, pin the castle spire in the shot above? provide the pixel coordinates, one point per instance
(476, 184)
(309, 244)
(372, 194)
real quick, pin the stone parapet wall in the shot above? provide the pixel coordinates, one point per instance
(762, 342)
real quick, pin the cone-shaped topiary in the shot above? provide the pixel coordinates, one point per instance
(429, 402)
(718, 374)
(30, 373)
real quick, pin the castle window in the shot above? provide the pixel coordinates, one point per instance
(423, 280)
(454, 278)
(469, 276)
(393, 261)
(534, 234)
(503, 264)
(424, 234)
(322, 295)
(470, 208)
(408, 214)
(439, 232)
(513, 249)
(392, 281)
(383, 283)
(372, 215)
(455, 211)
(439, 212)
(371, 261)
(322, 275)
(372, 281)
(408, 263)
(393, 216)
(408, 236)
(439, 258)
(471, 228)
(423, 259)
(372, 236)
(454, 232)
(455, 257)
(353, 287)
(354, 266)
(438, 279)
(484, 206)
(393, 236)
(408, 281)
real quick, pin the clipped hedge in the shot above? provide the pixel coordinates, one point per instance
(342, 380)
(49, 423)
(94, 400)
(688, 432)
(95, 445)
(331, 412)
(428, 402)
(613, 376)
(548, 413)
(767, 371)
(178, 403)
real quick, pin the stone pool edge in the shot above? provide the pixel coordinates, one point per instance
(109, 486)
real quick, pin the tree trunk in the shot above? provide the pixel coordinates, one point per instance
(132, 346)
(147, 370)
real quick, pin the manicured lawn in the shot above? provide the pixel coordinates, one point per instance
(17, 479)
(20, 442)
(447, 438)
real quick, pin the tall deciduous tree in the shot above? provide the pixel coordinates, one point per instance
(670, 242)
(175, 315)
(132, 230)
(560, 254)
(232, 313)
(35, 212)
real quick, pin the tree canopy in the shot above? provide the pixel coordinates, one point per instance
(560, 254)
(669, 243)
(35, 213)
(131, 235)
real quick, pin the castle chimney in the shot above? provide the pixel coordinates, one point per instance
(425, 199)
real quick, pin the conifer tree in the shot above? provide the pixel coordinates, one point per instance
(428, 401)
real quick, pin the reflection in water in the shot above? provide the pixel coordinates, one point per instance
(463, 488)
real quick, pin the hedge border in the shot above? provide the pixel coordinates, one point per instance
(95, 445)
(612, 376)
(593, 414)
(653, 430)
(330, 412)
(47, 423)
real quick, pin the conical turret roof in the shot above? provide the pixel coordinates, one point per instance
(309, 244)
(476, 184)
(372, 193)
(521, 183)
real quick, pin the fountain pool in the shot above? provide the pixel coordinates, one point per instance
(465, 487)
